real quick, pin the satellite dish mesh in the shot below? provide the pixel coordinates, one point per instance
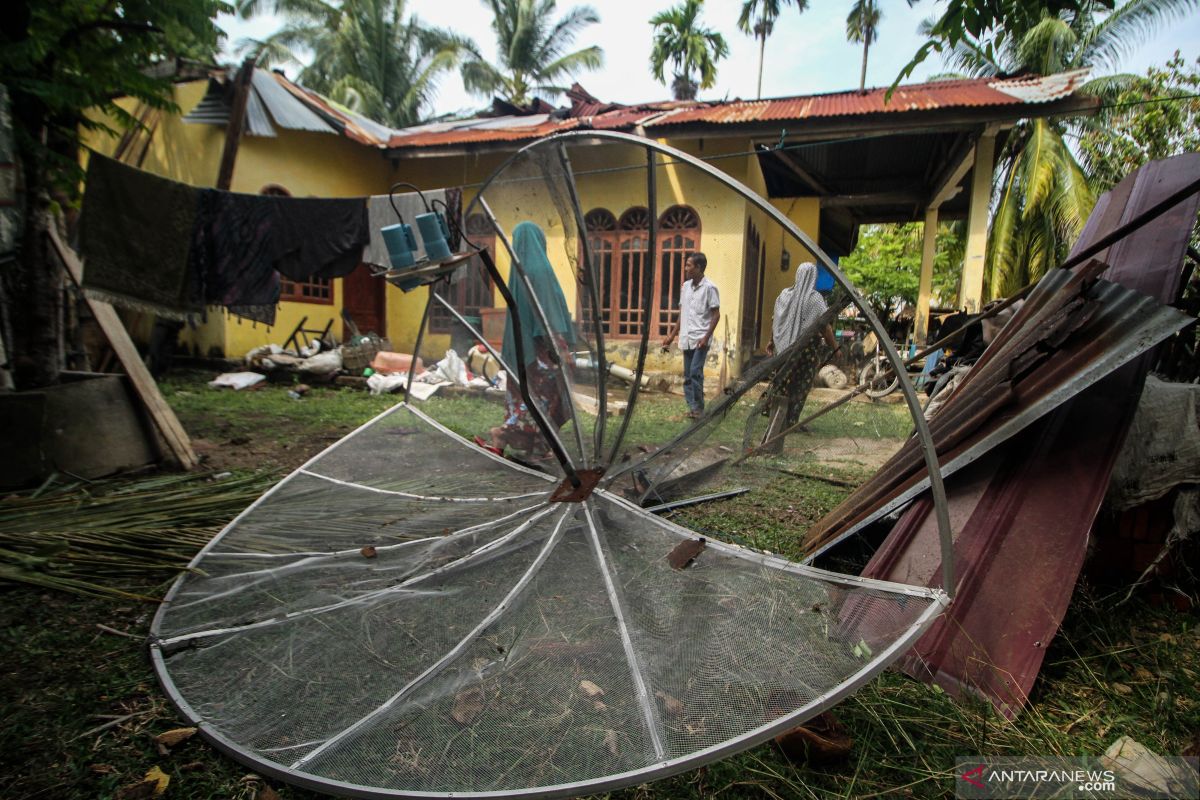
(411, 615)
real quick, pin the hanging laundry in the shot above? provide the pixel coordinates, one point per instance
(319, 237)
(381, 214)
(134, 234)
(233, 253)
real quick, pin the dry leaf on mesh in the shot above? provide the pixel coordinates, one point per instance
(591, 689)
(102, 769)
(685, 553)
(171, 738)
(610, 741)
(596, 704)
(671, 705)
(468, 705)
(368, 551)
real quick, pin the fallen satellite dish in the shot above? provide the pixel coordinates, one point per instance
(411, 615)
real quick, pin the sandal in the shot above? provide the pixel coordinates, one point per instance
(489, 447)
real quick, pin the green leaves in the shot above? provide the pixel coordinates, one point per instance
(62, 59)
(691, 48)
(533, 50)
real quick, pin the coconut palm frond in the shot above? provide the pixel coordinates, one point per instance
(1130, 24)
(1048, 47)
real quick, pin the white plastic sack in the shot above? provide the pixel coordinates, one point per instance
(1162, 448)
(323, 363)
(236, 380)
(386, 384)
(453, 369)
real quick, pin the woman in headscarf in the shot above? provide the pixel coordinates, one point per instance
(797, 310)
(542, 349)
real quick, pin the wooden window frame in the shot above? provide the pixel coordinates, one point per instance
(619, 248)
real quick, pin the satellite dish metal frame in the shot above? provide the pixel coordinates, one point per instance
(924, 437)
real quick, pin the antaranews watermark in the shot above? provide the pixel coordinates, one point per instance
(992, 778)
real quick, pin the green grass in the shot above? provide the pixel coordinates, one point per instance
(1112, 671)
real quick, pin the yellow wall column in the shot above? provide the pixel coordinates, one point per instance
(925, 286)
(970, 296)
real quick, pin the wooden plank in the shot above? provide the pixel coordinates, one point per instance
(237, 119)
(143, 382)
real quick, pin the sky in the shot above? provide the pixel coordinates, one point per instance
(807, 53)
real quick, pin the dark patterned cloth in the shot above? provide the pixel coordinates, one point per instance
(134, 234)
(242, 242)
(232, 259)
(318, 237)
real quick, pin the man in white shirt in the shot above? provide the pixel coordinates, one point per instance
(699, 310)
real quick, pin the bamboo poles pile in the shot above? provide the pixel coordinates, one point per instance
(113, 538)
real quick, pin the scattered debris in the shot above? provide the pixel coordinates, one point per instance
(685, 553)
(671, 705)
(368, 551)
(1151, 774)
(468, 705)
(153, 784)
(610, 741)
(821, 740)
(237, 380)
(172, 738)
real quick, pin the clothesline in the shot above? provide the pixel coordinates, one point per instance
(173, 249)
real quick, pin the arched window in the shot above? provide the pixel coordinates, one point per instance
(602, 243)
(316, 290)
(474, 289)
(678, 237)
(632, 245)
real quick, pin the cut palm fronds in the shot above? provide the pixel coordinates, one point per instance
(102, 538)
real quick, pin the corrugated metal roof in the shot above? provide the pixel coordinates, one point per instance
(970, 93)
(284, 106)
(258, 122)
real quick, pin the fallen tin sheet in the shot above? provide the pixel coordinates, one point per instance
(1071, 333)
(1021, 514)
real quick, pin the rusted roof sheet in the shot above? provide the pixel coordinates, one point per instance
(1022, 513)
(586, 112)
(968, 93)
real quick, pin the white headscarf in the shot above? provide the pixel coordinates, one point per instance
(797, 308)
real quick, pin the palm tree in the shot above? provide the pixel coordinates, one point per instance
(1042, 194)
(365, 54)
(691, 48)
(862, 25)
(532, 51)
(764, 24)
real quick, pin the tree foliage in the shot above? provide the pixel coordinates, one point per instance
(1043, 194)
(690, 47)
(61, 59)
(533, 51)
(1155, 118)
(366, 54)
(886, 264)
(990, 23)
(758, 18)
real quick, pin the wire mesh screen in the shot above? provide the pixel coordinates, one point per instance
(440, 626)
